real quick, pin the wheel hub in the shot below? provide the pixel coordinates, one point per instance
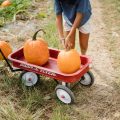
(29, 78)
(63, 97)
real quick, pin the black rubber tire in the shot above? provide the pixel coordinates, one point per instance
(66, 89)
(91, 79)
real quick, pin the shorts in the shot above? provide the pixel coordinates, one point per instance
(83, 29)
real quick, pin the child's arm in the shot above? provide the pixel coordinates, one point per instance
(76, 24)
(73, 29)
(81, 9)
(59, 20)
(59, 23)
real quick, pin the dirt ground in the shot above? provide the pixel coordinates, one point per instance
(102, 100)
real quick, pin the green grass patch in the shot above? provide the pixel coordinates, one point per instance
(59, 113)
(41, 15)
(7, 13)
(51, 33)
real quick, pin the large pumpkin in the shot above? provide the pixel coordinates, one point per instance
(68, 61)
(36, 50)
(5, 48)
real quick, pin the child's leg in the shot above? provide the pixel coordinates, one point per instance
(83, 41)
(84, 33)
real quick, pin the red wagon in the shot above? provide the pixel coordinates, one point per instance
(30, 74)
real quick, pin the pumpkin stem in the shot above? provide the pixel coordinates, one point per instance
(35, 35)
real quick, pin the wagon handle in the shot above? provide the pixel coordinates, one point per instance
(9, 65)
(35, 35)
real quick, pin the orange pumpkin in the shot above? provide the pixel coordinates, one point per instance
(6, 49)
(6, 3)
(68, 61)
(36, 50)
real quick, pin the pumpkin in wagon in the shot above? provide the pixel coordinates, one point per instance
(68, 61)
(36, 50)
(5, 48)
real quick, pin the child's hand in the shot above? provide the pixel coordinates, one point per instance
(68, 43)
(62, 41)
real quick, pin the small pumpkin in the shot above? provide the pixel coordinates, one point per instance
(6, 3)
(5, 48)
(68, 61)
(36, 50)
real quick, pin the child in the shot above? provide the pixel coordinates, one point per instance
(76, 14)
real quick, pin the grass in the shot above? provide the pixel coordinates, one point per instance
(8, 13)
(59, 113)
(51, 33)
(41, 15)
(18, 102)
(8, 112)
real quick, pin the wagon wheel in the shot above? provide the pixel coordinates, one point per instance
(87, 79)
(29, 78)
(64, 94)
